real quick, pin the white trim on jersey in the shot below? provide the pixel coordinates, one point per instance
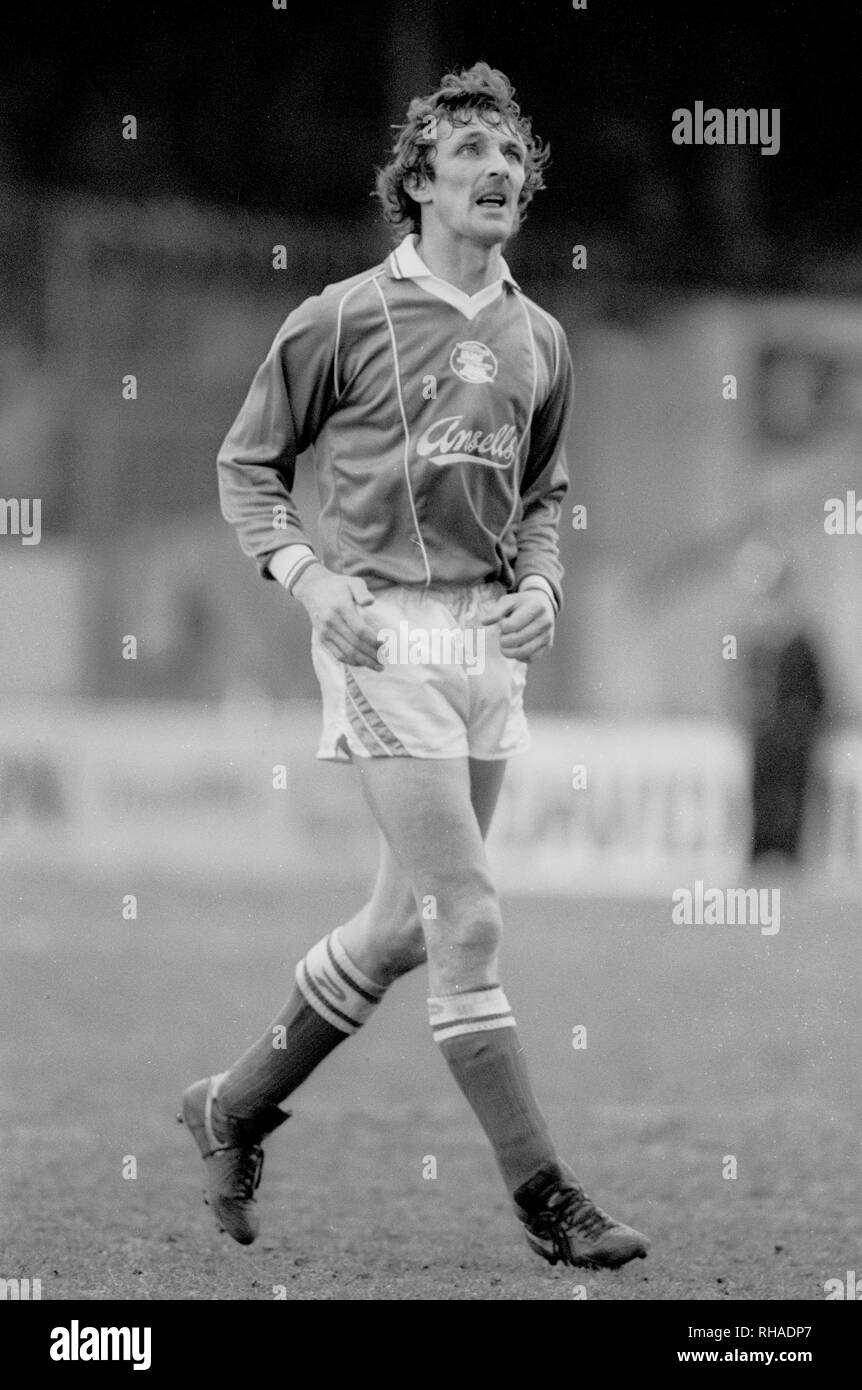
(341, 304)
(553, 327)
(523, 447)
(405, 426)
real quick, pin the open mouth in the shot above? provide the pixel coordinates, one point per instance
(492, 200)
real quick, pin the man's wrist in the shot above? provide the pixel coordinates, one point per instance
(305, 580)
(289, 563)
(541, 585)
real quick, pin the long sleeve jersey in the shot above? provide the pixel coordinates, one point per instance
(437, 421)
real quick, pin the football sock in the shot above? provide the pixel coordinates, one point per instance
(478, 1037)
(331, 999)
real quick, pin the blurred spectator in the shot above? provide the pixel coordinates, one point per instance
(785, 700)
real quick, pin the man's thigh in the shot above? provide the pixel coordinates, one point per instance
(392, 888)
(425, 810)
(386, 938)
(433, 814)
(392, 900)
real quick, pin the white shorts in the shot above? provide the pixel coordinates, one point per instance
(445, 691)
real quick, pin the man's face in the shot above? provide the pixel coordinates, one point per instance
(478, 176)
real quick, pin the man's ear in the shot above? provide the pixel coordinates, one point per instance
(417, 185)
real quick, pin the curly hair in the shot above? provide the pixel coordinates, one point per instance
(480, 90)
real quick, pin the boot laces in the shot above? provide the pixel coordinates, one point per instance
(248, 1169)
(575, 1211)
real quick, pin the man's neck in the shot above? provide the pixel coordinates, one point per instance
(460, 263)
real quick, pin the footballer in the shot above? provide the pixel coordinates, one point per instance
(435, 396)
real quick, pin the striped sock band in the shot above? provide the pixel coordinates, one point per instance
(475, 1011)
(336, 988)
(479, 1041)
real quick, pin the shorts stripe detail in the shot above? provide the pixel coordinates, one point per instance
(357, 724)
(365, 719)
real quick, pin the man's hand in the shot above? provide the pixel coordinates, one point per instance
(335, 605)
(526, 623)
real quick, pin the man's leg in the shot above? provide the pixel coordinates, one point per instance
(382, 942)
(385, 938)
(230, 1115)
(425, 810)
(338, 984)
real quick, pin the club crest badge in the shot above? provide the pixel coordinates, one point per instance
(473, 362)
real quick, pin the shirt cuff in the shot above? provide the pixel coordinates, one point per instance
(536, 581)
(287, 564)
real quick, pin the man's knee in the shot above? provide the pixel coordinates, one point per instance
(406, 947)
(385, 938)
(462, 921)
(399, 939)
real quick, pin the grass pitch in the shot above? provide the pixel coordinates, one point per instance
(703, 1043)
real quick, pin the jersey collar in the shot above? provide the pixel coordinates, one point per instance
(405, 263)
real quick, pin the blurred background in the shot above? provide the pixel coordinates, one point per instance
(716, 331)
